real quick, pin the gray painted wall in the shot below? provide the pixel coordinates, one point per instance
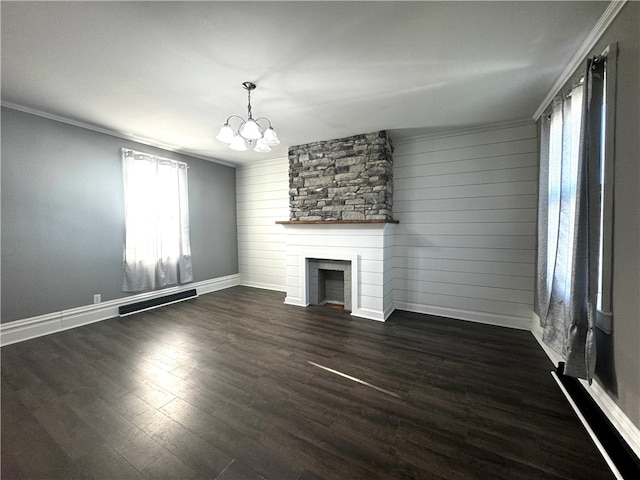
(618, 355)
(618, 363)
(63, 215)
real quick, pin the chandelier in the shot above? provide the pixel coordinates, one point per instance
(248, 130)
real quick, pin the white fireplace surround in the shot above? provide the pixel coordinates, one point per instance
(304, 272)
(369, 249)
(321, 290)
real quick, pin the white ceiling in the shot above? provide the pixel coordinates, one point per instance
(171, 72)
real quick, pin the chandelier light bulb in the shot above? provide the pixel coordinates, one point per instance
(250, 130)
(270, 137)
(261, 146)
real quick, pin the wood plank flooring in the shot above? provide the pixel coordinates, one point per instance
(236, 385)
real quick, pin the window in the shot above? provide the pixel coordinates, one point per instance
(564, 137)
(564, 148)
(575, 215)
(157, 246)
(607, 144)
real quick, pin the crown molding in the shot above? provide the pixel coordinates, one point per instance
(113, 133)
(587, 45)
(459, 131)
(263, 162)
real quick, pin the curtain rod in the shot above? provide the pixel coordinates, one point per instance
(598, 30)
(128, 151)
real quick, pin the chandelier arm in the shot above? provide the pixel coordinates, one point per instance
(242, 122)
(235, 116)
(263, 118)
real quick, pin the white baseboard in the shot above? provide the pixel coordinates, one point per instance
(295, 301)
(28, 328)
(625, 427)
(33, 327)
(389, 310)
(215, 284)
(587, 427)
(264, 286)
(518, 323)
(369, 314)
(616, 416)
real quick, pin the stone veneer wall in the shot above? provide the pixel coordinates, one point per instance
(344, 179)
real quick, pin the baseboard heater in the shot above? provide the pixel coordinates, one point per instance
(132, 308)
(616, 451)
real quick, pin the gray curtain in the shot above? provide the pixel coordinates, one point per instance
(569, 222)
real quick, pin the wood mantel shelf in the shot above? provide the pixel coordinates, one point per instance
(331, 222)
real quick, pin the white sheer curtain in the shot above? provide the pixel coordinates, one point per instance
(157, 247)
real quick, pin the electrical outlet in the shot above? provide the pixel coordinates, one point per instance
(97, 298)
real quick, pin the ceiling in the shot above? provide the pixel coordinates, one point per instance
(170, 73)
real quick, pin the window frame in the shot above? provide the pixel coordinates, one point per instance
(170, 263)
(604, 319)
(606, 154)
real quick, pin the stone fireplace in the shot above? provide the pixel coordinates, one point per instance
(340, 199)
(345, 179)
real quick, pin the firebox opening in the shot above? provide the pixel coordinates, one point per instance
(331, 288)
(329, 283)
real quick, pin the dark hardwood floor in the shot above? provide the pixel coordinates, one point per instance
(237, 385)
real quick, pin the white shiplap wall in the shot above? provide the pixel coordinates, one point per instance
(465, 245)
(262, 197)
